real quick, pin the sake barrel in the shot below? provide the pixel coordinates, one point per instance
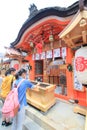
(81, 65)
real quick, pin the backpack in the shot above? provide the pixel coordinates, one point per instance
(11, 104)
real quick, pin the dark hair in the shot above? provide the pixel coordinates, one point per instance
(19, 73)
(9, 71)
(12, 70)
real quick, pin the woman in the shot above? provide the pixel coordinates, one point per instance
(7, 82)
(19, 118)
(6, 86)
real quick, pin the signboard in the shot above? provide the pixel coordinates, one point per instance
(43, 55)
(63, 49)
(37, 56)
(49, 54)
(56, 52)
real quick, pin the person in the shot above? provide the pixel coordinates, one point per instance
(5, 89)
(19, 118)
(7, 82)
(1, 79)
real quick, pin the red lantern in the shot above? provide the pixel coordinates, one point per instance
(39, 47)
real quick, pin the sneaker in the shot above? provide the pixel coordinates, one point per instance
(3, 123)
(8, 123)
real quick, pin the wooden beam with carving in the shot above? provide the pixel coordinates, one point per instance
(76, 36)
(69, 41)
(76, 19)
(79, 19)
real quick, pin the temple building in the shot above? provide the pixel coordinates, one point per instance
(49, 38)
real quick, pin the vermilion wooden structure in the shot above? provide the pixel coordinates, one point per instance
(40, 33)
(75, 36)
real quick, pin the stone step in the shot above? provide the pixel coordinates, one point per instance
(29, 124)
(40, 118)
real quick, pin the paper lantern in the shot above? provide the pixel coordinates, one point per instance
(31, 44)
(51, 38)
(81, 65)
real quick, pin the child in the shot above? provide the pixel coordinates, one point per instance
(19, 118)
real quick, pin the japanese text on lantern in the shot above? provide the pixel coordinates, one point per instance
(80, 64)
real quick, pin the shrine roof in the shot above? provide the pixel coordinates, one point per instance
(50, 11)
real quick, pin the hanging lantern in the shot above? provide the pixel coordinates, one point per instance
(31, 44)
(81, 65)
(39, 47)
(51, 38)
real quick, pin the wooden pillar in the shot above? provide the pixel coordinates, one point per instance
(32, 71)
(69, 74)
(20, 61)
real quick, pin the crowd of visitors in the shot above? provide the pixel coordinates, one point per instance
(7, 83)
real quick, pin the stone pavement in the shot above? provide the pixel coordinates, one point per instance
(59, 117)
